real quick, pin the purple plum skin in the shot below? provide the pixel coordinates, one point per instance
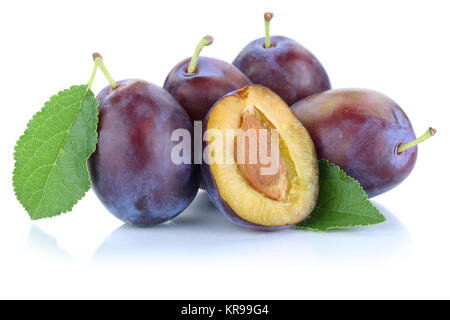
(197, 92)
(360, 130)
(132, 172)
(287, 68)
(217, 200)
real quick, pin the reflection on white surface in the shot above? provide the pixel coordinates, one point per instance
(42, 244)
(201, 233)
(202, 255)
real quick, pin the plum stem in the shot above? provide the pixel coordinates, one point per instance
(206, 41)
(99, 63)
(430, 132)
(267, 17)
(89, 85)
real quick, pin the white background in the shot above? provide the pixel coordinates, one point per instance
(400, 48)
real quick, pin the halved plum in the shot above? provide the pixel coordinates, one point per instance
(238, 186)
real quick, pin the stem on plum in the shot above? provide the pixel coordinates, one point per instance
(99, 63)
(267, 17)
(206, 41)
(430, 132)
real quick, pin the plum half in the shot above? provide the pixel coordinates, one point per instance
(132, 171)
(364, 132)
(282, 65)
(264, 192)
(198, 82)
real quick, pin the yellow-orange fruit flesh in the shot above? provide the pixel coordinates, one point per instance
(296, 151)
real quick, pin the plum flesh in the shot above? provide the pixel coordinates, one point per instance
(131, 170)
(360, 130)
(287, 68)
(229, 187)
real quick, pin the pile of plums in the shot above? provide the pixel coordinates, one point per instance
(273, 83)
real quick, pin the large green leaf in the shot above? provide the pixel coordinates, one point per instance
(50, 173)
(342, 202)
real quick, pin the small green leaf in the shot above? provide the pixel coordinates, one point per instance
(50, 173)
(342, 202)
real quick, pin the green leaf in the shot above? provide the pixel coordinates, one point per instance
(50, 173)
(342, 202)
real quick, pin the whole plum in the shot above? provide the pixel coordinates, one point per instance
(208, 80)
(364, 132)
(132, 172)
(282, 65)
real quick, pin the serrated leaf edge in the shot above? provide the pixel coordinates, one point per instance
(37, 114)
(360, 188)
